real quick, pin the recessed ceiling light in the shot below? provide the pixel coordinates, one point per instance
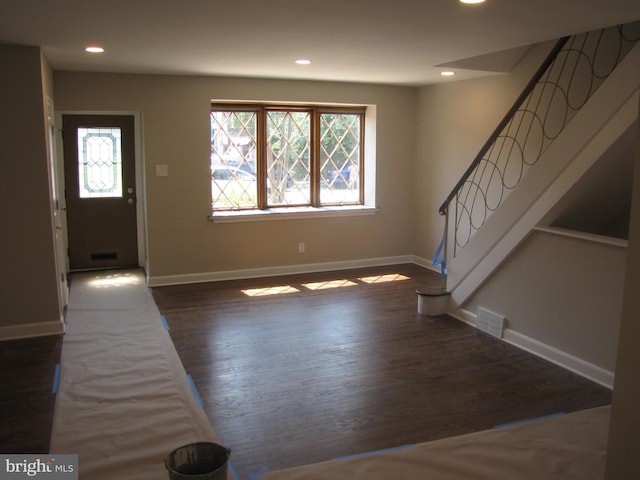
(447, 73)
(472, 1)
(303, 61)
(94, 49)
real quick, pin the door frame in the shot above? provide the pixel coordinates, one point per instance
(141, 196)
(58, 213)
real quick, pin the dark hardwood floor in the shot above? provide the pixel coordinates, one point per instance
(26, 399)
(317, 373)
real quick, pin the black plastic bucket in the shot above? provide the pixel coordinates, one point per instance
(198, 461)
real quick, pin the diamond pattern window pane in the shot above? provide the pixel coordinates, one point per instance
(100, 162)
(234, 183)
(340, 162)
(288, 158)
(268, 156)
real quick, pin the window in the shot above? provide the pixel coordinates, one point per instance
(100, 162)
(269, 157)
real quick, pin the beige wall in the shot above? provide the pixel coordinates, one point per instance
(564, 292)
(454, 121)
(29, 287)
(424, 144)
(623, 462)
(175, 121)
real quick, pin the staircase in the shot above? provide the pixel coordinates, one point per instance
(582, 100)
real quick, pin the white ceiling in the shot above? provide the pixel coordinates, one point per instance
(398, 42)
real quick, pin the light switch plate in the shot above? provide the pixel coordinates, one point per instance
(162, 170)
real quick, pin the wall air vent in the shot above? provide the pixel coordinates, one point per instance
(490, 322)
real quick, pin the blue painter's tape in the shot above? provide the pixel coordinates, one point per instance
(530, 420)
(56, 379)
(164, 322)
(195, 392)
(375, 452)
(234, 472)
(438, 259)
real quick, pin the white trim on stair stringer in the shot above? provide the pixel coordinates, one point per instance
(565, 360)
(165, 280)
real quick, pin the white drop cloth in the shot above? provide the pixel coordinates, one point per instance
(124, 401)
(570, 447)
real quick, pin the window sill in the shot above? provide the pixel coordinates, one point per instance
(290, 214)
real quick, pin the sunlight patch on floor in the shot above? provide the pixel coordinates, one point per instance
(329, 284)
(114, 280)
(389, 277)
(261, 292)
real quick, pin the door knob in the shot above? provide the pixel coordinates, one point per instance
(130, 201)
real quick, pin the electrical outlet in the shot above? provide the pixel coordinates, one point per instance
(301, 247)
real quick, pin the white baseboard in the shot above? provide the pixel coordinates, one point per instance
(165, 280)
(558, 357)
(426, 263)
(565, 360)
(31, 330)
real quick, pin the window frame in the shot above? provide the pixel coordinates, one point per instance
(315, 111)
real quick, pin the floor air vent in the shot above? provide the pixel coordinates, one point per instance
(104, 256)
(490, 322)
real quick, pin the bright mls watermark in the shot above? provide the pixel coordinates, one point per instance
(51, 467)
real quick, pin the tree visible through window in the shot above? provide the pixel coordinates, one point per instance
(273, 156)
